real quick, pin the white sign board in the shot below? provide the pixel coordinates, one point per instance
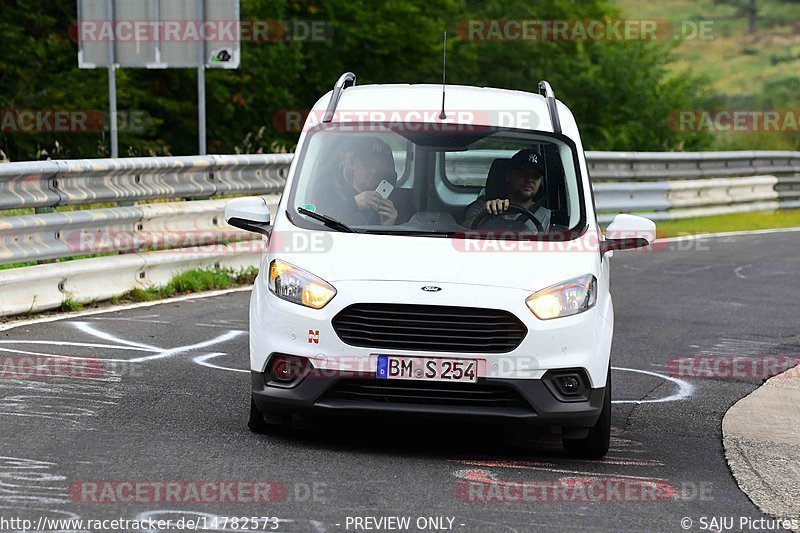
(159, 33)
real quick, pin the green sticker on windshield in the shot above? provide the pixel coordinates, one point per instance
(309, 207)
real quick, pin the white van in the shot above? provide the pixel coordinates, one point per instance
(437, 253)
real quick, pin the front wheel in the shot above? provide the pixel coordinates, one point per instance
(597, 442)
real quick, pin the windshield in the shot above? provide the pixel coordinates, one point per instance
(436, 180)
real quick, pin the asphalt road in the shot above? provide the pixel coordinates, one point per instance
(173, 407)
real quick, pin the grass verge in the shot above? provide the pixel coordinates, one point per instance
(70, 305)
(724, 223)
(191, 281)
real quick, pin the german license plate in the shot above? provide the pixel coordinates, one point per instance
(427, 369)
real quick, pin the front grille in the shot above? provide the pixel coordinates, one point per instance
(432, 328)
(428, 393)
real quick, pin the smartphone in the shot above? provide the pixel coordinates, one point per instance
(384, 189)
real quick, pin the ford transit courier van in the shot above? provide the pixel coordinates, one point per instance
(437, 260)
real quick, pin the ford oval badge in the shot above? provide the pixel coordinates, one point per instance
(431, 288)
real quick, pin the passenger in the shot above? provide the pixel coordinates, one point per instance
(351, 197)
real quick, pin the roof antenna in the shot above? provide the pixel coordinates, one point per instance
(443, 115)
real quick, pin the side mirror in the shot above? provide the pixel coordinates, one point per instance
(249, 214)
(627, 232)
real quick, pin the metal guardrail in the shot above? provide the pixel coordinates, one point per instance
(689, 165)
(661, 200)
(87, 181)
(157, 240)
(674, 185)
(43, 287)
(124, 229)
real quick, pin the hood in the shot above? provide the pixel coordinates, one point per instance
(528, 265)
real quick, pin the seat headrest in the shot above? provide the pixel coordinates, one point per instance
(496, 186)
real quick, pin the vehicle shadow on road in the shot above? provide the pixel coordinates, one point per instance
(414, 437)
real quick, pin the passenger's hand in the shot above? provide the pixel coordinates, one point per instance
(497, 207)
(387, 212)
(368, 199)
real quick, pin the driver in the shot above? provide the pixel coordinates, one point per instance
(523, 182)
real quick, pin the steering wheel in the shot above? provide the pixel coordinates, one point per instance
(528, 213)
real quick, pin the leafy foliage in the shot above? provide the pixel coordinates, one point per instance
(620, 92)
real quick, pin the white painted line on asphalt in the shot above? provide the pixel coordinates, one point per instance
(225, 326)
(685, 389)
(82, 344)
(182, 349)
(90, 358)
(131, 319)
(203, 361)
(90, 330)
(738, 271)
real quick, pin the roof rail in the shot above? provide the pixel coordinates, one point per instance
(547, 91)
(348, 79)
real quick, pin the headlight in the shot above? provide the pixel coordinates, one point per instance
(295, 285)
(564, 299)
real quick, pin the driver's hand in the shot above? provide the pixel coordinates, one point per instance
(497, 207)
(387, 212)
(368, 199)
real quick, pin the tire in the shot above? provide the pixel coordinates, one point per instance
(258, 424)
(596, 443)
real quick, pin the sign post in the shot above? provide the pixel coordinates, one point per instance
(201, 85)
(112, 89)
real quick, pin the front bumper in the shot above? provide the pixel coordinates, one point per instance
(579, 341)
(537, 406)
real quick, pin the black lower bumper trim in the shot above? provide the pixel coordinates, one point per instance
(537, 405)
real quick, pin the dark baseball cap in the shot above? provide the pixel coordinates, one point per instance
(374, 149)
(528, 159)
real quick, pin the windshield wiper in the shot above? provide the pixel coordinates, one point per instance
(413, 233)
(327, 221)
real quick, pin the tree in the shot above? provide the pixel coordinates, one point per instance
(750, 10)
(621, 92)
(745, 8)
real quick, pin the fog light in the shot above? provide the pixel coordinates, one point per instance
(283, 371)
(286, 369)
(569, 384)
